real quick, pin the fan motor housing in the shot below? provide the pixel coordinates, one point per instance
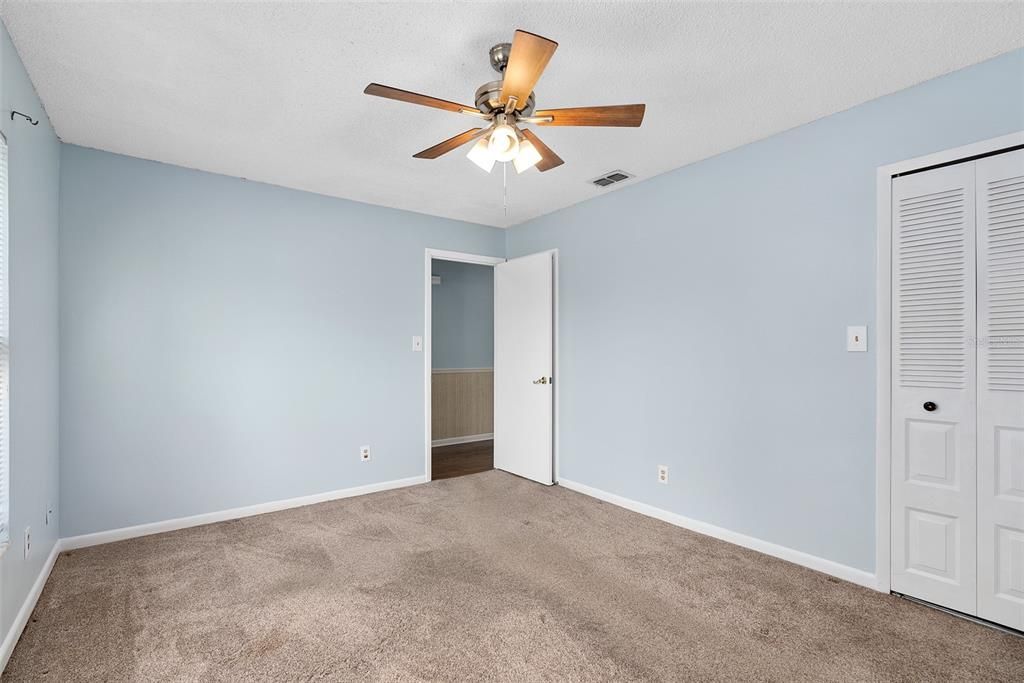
(488, 100)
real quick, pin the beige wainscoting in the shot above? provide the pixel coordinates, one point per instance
(462, 403)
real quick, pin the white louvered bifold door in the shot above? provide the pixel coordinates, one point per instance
(1000, 191)
(934, 408)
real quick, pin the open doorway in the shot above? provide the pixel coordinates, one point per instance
(490, 400)
(462, 368)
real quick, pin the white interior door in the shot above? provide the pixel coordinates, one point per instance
(523, 366)
(934, 402)
(1000, 183)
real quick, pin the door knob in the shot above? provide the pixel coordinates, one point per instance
(542, 380)
(929, 406)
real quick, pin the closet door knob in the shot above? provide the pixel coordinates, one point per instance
(542, 380)
(929, 406)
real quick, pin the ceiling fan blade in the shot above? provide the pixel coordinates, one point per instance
(630, 115)
(414, 98)
(530, 54)
(548, 159)
(449, 144)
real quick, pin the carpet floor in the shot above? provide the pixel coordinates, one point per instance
(486, 576)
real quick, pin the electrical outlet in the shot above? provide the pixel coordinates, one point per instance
(364, 453)
(49, 514)
(28, 541)
(662, 474)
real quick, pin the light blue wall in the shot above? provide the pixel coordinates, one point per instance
(33, 162)
(703, 318)
(226, 343)
(462, 320)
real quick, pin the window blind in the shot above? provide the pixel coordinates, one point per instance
(5, 355)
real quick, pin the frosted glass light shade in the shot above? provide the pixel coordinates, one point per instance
(480, 154)
(527, 158)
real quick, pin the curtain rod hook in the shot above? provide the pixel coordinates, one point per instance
(34, 122)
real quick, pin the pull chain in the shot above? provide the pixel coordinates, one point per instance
(504, 183)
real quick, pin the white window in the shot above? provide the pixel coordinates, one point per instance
(5, 357)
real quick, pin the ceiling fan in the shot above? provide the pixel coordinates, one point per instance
(510, 101)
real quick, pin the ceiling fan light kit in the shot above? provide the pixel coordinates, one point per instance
(509, 103)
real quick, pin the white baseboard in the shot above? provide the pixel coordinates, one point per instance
(451, 441)
(14, 633)
(842, 571)
(124, 533)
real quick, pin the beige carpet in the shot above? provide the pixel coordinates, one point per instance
(481, 577)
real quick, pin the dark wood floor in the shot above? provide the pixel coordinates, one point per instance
(461, 459)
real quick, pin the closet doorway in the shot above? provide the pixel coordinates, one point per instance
(955, 383)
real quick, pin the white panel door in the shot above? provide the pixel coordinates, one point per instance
(934, 402)
(523, 366)
(1000, 192)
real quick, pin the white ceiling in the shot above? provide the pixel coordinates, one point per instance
(273, 91)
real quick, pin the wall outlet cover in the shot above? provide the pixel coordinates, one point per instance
(662, 474)
(364, 453)
(417, 343)
(28, 541)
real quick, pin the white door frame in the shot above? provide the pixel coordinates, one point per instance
(883, 331)
(461, 257)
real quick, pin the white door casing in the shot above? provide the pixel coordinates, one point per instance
(933, 515)
(1000, 348)
(523, 366)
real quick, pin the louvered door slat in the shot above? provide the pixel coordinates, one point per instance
(1000, 192)
(931, 268)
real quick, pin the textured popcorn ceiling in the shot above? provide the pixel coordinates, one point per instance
(273, 92)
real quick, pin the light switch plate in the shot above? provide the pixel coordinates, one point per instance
(417, 343)
(857, 338)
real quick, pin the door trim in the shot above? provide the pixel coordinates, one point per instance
(883, 330)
